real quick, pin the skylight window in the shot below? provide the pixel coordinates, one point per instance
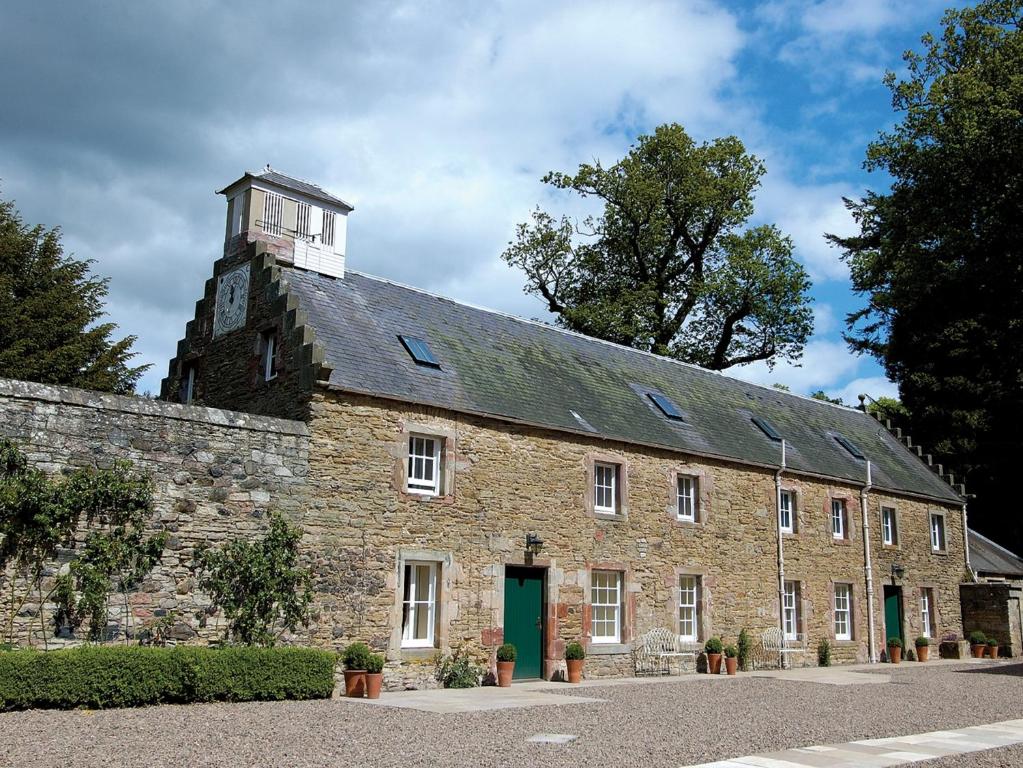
(420, 351)
(856, 452)
(767, 428)
(667, 407)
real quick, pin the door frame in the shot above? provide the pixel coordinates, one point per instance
(545, 625)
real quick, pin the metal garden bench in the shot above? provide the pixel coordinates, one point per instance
(658, 647)
(774, 643)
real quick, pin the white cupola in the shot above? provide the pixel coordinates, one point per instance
(310, 223)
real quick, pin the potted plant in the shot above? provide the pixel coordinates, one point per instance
(574, 655)
(923, 647)
(356, 660)
(992, 647)
(713, 649)
(374, 675)
(505, 664)
(894, 650)
(731, 659)
(978, 644)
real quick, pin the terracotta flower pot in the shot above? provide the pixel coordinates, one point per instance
(978, 651)
(505, 670)
(374, 681)
(714, 663)
(575, 670)
(922, 652)
(894, 654)
(355, 683)
(731, 664)
(992, 651)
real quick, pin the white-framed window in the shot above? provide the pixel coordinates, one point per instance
(786, 511)
(688, 498)
(424, 464)
(843, 612)
(327, 233)
(790, 606)
(605, 488)
(889, 533)
(838, 518)
(688, 607)
(268, 355)
(937, 532)
(419, 605)
(273, 214)
(606, 606)
(927, 612)
(302, 221)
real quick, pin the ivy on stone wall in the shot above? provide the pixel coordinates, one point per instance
(259, 585)
(97, 519)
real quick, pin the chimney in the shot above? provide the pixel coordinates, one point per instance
(304, 225)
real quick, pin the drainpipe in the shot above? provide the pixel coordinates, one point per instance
(966, 546)
(868, 569)
(781, 548)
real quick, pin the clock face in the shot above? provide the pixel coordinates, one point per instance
(232, 301)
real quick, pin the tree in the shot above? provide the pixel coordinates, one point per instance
(666, 267)
(259, 585)
(50, 306)
(96, 518)
(820, 394)
(938, 257)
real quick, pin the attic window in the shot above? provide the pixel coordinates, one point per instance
(856, 452)
(667, 407)
(767, 428)
(420, 351)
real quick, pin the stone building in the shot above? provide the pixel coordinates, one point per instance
(475, 477)
(993, 603)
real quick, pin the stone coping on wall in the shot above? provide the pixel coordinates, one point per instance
(144, 406)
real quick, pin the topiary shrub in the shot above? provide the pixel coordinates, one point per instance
(132, 676)
(978, 638)
(745, 651)
(922, 642)
(894, 642)
(356, 656)
(713, 645)
(731, 651)
(506, 652)
(824, 653)
(575, 652)
(375, 664)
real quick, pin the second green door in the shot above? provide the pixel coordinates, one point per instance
(523, 618)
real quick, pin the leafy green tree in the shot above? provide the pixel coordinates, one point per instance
(99, 516)
(259, 585)
(820, 394)
(938, 257)
(50, 307)
(667, 266)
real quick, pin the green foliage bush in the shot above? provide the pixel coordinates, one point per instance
(356, 656)
(99, 677)
(459, 670)
(506, 652)
(922, 642)
(745, 650)
(575, 652)
(713, 645)
(824, 653)
(375, 664)
(731, 651)
(894, 642)
(992, 642)
(977, 637)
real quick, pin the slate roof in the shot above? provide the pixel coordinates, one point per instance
(988, 557)
(270, 176)
(525, 371)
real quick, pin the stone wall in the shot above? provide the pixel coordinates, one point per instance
(504, 481)
(994, 609)
(216, 475)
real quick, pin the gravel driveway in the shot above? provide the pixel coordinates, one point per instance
(671, 724)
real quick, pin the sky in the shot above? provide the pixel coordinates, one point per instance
(436, 120)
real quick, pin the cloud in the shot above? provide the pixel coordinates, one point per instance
(824, 365)
(872, 386)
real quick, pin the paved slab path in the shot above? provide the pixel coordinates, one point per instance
(896, 750)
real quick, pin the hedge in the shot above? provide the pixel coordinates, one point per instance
(98, 677)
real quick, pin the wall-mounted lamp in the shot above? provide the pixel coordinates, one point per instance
(897, 571)
(533, 544)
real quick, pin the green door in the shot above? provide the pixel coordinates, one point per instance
(892, 613)
(523, 619)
